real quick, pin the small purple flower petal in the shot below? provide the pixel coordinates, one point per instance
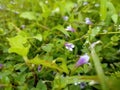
(69, 46)
(87, 21)
(65, 18)
(82, 85)
(22, 26)
(39, 68)
(1, 66)
(82, 60)
(69, 28)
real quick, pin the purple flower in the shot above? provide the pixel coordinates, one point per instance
(82, 60)
(82, 85)
(1, 66)
(87, 21)
(39, 68)
(69, 46)
(22, 26)
(65, 18)
(69, 28)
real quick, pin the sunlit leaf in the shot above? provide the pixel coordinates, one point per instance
(19, 45)
(41, 85)
(63, 65)
(112, 12)
(38, 37)
(61, 29)
(34, 88)
(67, 6)
(103, 9)
(47, 47)
(61, 82)
(28, 15)
(74, 87)
(46, 63)
(94, 32)
(115, 18)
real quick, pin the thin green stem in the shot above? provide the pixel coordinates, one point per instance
(17, 29)
(109, 33)
(26, 59)
(99, 69)
(42, 26)
(78, 38)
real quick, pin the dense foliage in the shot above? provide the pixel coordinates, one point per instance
(59, 45)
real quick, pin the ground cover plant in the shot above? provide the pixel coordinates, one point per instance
(59, 45)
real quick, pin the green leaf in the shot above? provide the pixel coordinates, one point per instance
(111, 8)
(46, 11)
(28, 15)
(114, 18)
(114, 83)
(8, 88)
(19, 45)
(5, 80)
(46, 63)
(65, 7)
(94, 32)
(41, 85)
(115, 38)
(35, 88)
(1, 31)
(74, 87)
(61, 82)
(23, 87)
(103, 9)
(63, 65)
(61, 29)
(112, 11)
(47, 47)
(38, 37)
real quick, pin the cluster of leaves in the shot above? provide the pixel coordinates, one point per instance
(33, 34)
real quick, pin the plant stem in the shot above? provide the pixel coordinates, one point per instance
(99, 69)
(26, 59)
(109, 33)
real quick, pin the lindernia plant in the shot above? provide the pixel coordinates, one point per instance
(1, 66)
(65, 18)
(59, 45)
(84, 59)
(88, 21)
(70, 28)
(69, 46)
